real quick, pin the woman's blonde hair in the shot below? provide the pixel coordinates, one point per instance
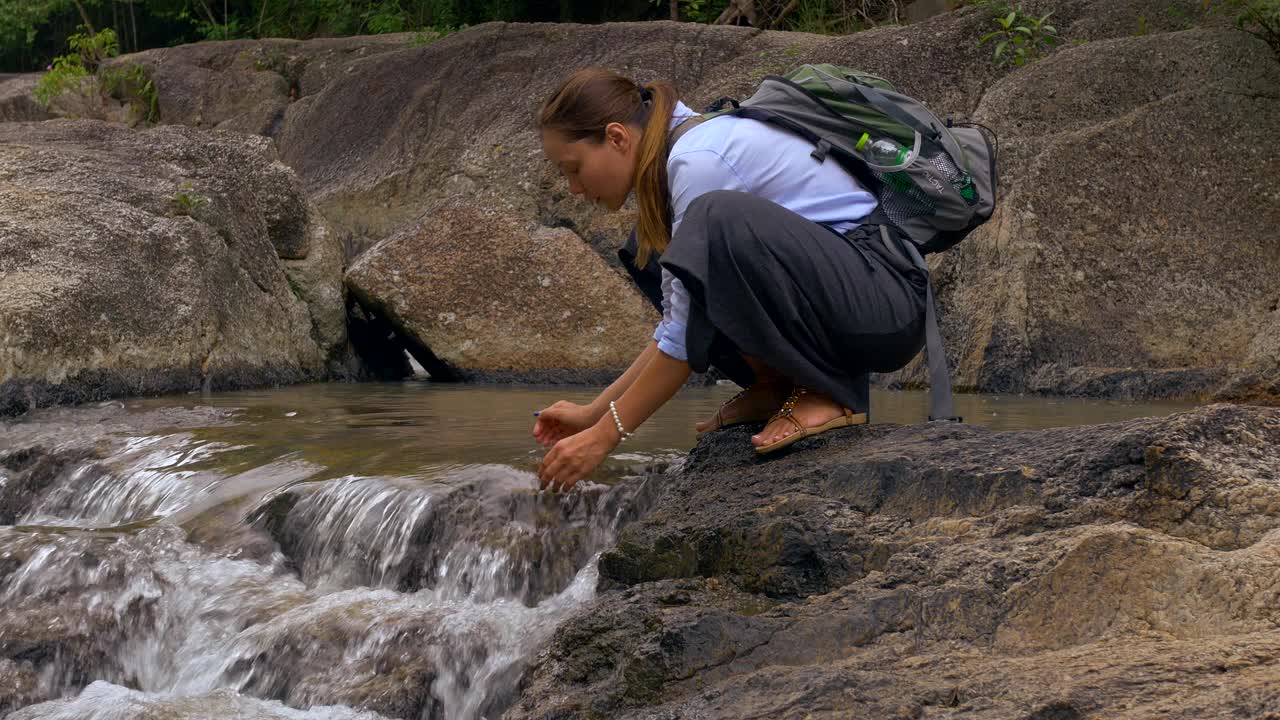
(591, 99)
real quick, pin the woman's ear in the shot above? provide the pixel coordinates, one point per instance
(619, 136)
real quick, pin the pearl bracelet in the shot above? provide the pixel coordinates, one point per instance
(623, 434)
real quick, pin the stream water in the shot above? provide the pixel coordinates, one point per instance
(337, 551)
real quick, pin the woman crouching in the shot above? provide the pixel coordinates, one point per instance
(757, 254)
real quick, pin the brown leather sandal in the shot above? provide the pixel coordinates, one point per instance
(848, 419)
(720, 422)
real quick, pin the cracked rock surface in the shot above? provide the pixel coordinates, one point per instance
(1123, 570)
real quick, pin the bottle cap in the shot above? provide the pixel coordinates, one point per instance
(862, 141)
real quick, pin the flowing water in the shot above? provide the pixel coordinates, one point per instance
(334, 551)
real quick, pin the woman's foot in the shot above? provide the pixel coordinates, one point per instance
(755, 404)
(810, 413)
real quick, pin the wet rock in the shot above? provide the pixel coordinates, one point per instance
(54, 626)
(146, 262)
(19, 685)
(943, 569)
(485, 532)
(475, 290)
(27, 471)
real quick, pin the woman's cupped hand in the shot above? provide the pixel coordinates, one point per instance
(577, 444)
(561, 420)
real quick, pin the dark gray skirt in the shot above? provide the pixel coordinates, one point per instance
(823, 309)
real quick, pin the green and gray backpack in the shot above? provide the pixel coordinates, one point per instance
(938, 184)
(942, 185)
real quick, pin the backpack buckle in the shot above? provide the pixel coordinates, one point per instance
(718, 105)
(820, 152)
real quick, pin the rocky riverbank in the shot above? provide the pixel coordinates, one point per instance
(1124, 570)
(1117, 570)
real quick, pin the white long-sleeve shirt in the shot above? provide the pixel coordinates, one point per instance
(733, 153)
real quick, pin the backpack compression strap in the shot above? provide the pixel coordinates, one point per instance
(941, 403)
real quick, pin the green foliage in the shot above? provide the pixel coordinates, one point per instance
(186, 201)
(699, 11)
(1020, 38)
(132, 85)
(428, 35)
(128, 83)
(88, 52)
(823, 17)
(1260, 18)
(64, 74)
(1179, 19)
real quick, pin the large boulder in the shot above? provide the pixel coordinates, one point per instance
(248, 85)
(168, 260)
(478, 293)
(943, 570)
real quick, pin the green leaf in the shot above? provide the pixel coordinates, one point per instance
(989, 36)
(1000, 47)
(1009, 20)
(1024, 30)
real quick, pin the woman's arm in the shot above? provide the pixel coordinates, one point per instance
(577, 455)
(564, 418)
(600, 405)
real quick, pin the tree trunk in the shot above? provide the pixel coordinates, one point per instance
(261, 15)
(133, 22)
(88, 26)
(675, 10)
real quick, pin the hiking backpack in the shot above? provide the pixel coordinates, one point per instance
(941, 188)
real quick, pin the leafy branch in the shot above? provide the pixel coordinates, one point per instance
(1020, 38)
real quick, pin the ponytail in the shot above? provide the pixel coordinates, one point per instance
(587, 102)
(653, 194)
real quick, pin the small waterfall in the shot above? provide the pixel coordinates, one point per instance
(358, 531)
(383, 597)
(150, 476)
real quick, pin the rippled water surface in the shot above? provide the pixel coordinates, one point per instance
(334, 551)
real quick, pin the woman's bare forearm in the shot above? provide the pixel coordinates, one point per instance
(600, 405)
(655, 384)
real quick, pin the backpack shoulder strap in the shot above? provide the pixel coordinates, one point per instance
(683, 128)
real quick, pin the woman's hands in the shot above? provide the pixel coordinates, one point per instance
(562, 420)
(575, 456)
(582, 436)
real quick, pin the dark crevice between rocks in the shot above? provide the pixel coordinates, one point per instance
(380, 335)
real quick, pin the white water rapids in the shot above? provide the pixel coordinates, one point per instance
(173, 590)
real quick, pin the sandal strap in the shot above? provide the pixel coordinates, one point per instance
(787, 412)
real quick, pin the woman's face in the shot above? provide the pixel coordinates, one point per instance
(599, 171)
